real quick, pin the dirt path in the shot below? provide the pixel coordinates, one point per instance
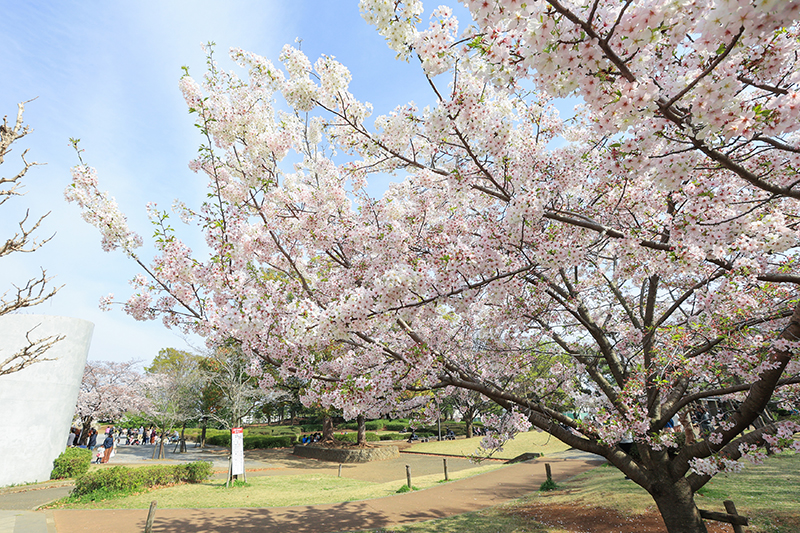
(444, 500)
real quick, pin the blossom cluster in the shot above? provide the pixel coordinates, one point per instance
(635, 254)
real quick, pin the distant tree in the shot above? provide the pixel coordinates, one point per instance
(174, 385)
(230, 382)
(166, 395)
(108, 390)
(174, 361)
(36, 289)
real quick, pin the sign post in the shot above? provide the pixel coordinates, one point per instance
(237, 452)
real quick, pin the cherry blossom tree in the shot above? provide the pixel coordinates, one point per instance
(167, 404)
(108, 390)
(36, 289)
(645, 247)
(174, 385)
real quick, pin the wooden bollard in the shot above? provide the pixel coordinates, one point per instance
(340, 470)
(151, 515)
(444, 460)
(549, 473)
(408, 475)
(731, 509)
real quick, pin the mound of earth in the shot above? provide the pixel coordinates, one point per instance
(595, 519)
(345, 452)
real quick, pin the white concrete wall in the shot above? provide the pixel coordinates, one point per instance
(38, 402)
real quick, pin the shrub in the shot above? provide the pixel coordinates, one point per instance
(253, 442)
(219, 440)
(395, 426)
(373, 425)
(262, 441)
(353, 437)
(393, 436)
(124, 479)
(72, 462)
(548, 485)
(195, 472)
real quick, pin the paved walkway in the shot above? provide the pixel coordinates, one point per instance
(443, 500)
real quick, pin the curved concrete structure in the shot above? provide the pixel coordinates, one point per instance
(37, 403)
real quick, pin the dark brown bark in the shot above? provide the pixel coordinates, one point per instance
(183, 438)
(675, 502)
(362, 430)
(327, 429)
(86, 425)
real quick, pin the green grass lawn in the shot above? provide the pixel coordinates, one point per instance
(269, 491)
(530, 442)
(768, 494)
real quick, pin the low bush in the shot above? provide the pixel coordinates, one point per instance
(395, 426)
(370, 425)
(253, 442)
(72, 462)
(548, 485)
(393, 436)
(353, 437)
(121, 479)
(223, 439)
(273, 430)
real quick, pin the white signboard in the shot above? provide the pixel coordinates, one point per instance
(237, 451)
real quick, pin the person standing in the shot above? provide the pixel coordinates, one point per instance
(92, 438)
(108, 444)
(71, 438)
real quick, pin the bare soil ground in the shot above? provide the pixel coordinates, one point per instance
(592, 519)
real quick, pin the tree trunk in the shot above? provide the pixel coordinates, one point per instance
(675, 501)
(86, 425)
(183, 438)
(327, 429)
(203, 434)
(362, 430)
(468, 424)
(686, 422)
(160, 448)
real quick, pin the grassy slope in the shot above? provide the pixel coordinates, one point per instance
(271, 491)
(532, 441)
(768, 494)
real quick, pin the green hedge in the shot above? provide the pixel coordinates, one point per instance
(353, 437)
(376, 425)
(72, 462)
(273, 431)
(394, 436)
(252, 442)
(122, 478)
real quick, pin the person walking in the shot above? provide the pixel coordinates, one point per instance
(71, 438)
(108, 444)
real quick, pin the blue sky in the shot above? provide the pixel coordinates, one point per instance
(107, 73)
